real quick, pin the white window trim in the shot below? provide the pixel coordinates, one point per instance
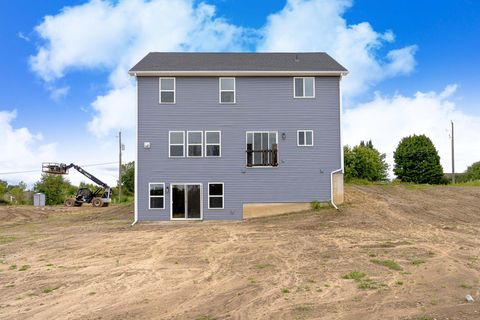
(246, 142)
(213, 144)
(220, 90)
(160, 90)
(222, 196)
(176, 144)
(150, 196)
(305, 138)
(194, 144)
(303, 96)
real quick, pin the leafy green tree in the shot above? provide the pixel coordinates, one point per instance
(19, 192)
(55, 187)
(128, 177)
(473, 172)
(364, 162)
(416, 160)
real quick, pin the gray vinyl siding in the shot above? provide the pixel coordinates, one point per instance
(262, 104)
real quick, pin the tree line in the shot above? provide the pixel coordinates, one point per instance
(56, 188)
(416, 160)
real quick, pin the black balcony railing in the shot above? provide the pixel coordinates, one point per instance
(262, 158)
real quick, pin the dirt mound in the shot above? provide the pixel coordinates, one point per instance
(392, 252)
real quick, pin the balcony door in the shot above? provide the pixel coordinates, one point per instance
(186, 201)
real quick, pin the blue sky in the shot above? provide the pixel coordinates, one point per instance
(434, 44)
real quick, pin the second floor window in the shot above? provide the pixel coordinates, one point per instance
(195, 143)
(262, 149)
(227, 90)
(176, 141)
(213, 143)
(167, 90)
(305, 138)
(304, 87)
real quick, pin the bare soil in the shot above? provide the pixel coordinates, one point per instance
(415, 250)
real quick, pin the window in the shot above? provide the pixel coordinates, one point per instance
(304, 87)
(215, 195)
(176, 142)
(167, 90)
(213, 143)
(195, 143)
(262, 148)
(227, 90)
(156, 195)
(305, 138)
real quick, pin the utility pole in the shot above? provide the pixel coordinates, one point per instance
(119, 166)
(453, 155)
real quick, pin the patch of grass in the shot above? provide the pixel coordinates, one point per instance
(48, 290)
(285, 290)
(311, 280)
(399, 283)
(390, 264)
(317, 205)
(13, 267)
(92, 293)
(10, 285)
(49, 265)
(25, 267)
(465, 286)
(372, 254)
(417, 262)
(264, 265)
(6, 239)
(204, 318)
(369, 284)
(354, 275)
(303, 308)
(303, 287)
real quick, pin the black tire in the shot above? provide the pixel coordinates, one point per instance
(97, 202)
(69, 202)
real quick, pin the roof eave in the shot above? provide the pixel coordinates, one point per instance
(236, 73)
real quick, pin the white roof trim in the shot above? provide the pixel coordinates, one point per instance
(236, 73)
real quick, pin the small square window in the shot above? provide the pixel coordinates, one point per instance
(304, 87)
(305, 138)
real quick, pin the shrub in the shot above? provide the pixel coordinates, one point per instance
(364, 162)
(416, 160)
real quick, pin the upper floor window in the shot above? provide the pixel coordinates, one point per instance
(195, 143)
(227, 90)
(304, 87)
(167, 90)
(213, 143)
(262, 148)
(176, 142)
(305, 138)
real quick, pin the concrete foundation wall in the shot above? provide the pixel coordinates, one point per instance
(338, 197)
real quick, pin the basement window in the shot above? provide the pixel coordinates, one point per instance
(304, 87)
(305, 138)
(156, 195)
(227, 90)
(167, 90)
(215, 195)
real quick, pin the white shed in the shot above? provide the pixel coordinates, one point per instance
(39, 200)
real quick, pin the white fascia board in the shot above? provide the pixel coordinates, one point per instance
(235, 73)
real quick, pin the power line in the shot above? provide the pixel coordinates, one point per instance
(39, 170)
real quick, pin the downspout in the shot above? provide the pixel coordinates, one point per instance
(135, 199)
(331, 187)
(341, 143)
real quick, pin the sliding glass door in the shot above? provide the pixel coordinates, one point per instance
(186, 201)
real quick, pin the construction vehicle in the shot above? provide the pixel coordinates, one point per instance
(100, 197)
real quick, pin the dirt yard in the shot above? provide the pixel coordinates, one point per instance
(410, 253)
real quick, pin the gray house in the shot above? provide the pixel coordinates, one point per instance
(217, 131)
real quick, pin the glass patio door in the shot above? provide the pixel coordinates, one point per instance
(186, 201)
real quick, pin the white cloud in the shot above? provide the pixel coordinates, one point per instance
(318, 25)
(115, 35)
(386, 120)
(21, 150)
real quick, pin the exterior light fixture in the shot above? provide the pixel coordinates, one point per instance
(284, 136)
(146, 145)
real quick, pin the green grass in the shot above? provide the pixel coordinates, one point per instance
(25, 267)
(354, 275)
(11, 285)
(6, 239)
(417, 262)
(475, 183)
(399, 283)
(390, 264)
(369, 284)
(264, 265)
(302, 308)
(465, 286)
(13, 267)
(285, 290)
(48, 290)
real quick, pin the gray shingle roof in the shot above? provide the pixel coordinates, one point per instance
(226, 61)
